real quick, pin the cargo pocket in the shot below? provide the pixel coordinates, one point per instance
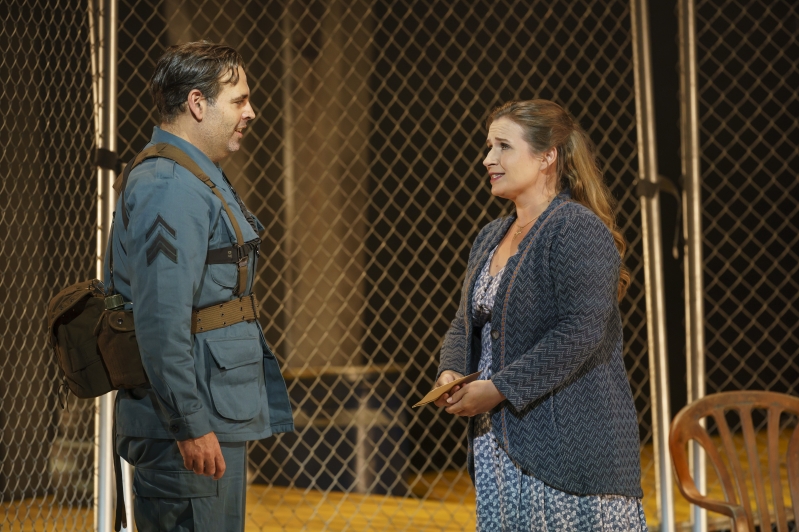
(180, 484)
(236, 377)
(175, 500)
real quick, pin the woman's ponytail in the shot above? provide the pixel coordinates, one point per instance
(583, 177)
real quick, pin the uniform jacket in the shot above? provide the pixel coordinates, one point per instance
(569, 419)
(225, 380)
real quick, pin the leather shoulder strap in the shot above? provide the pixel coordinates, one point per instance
(168, 151)
(119, 186)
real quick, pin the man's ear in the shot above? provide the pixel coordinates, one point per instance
(196, 102)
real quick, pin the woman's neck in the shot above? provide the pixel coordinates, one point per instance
(528, 209)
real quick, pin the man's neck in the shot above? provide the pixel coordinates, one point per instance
(175, 129)
(178, 129)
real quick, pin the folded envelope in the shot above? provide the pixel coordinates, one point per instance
(435, 393)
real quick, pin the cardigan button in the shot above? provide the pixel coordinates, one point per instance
(495, 334)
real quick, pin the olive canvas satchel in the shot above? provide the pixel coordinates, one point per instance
(93, 340)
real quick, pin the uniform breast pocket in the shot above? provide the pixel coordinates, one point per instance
(236, 376)
(226, 275)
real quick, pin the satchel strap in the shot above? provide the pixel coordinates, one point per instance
(168, 151)
(119, 186)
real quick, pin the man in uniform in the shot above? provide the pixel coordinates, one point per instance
(178, 256)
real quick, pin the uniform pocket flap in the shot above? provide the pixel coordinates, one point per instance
(121, 320)
(173, 484)
(231, 353)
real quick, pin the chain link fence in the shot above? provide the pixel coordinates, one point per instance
(748, 108)
(47, 221)
(365, 166)
(749, 145)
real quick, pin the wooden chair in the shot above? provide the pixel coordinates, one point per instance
(737, 505)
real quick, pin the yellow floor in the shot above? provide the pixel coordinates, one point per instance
(271, 509)
(442, 502)
(43, 513)
(276, 509)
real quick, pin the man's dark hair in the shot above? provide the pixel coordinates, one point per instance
(194, 65)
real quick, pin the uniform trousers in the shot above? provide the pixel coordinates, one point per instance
(171, 498)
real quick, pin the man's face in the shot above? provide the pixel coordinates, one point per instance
(224, 121)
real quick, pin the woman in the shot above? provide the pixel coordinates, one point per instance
(553, 433)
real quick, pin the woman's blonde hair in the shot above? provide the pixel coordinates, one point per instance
(547, 125)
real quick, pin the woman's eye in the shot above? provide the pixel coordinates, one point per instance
(504, 146)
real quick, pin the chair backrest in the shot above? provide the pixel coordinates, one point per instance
(687, 426)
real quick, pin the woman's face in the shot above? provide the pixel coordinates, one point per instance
(513, 167)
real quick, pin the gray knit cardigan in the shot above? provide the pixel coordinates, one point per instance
(569, 419)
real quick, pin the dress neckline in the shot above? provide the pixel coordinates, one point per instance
(487, 266)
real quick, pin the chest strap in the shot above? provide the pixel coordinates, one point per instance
(180, 157)
(224, 314)
(232, 254)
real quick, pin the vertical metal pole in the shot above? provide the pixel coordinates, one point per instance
(95, 59)
(653, 262)
(289, 207)
(106, 49)
(692, 229)
(127, 484)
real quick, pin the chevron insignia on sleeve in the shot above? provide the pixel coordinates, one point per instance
(160, 221)
(161, 245)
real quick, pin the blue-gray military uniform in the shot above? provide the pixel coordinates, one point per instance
(225, 380)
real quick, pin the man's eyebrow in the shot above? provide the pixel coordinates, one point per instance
(240, 97)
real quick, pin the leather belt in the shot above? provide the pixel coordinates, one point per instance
(224, 314)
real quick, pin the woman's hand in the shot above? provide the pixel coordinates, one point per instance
(446, 377)
(474, 398)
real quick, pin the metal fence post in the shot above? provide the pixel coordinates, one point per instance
(104, 48)
(653, 261)
(287, 87)
(692, 229)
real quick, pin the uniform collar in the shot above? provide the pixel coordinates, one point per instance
(205, 164)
